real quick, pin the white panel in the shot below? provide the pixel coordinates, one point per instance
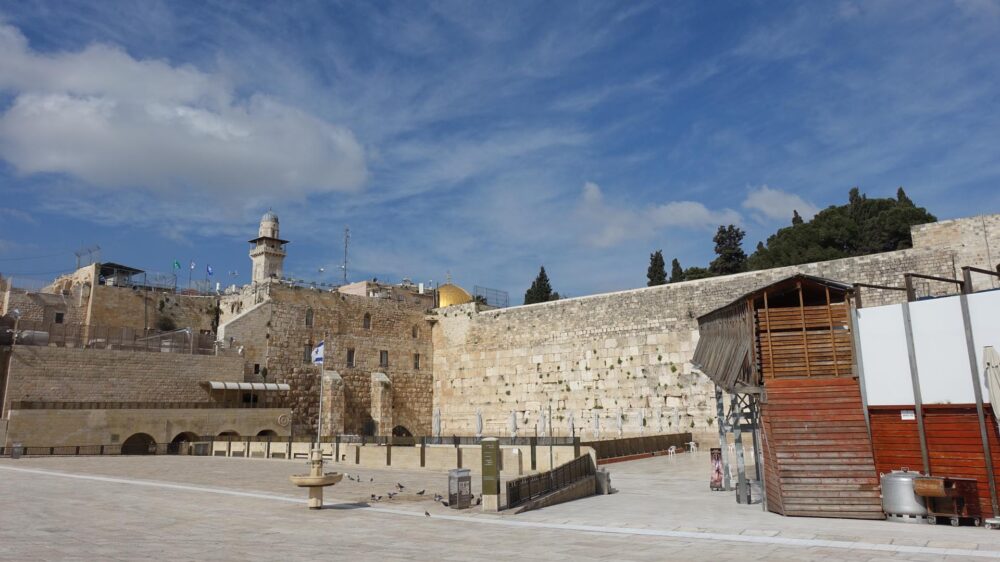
(942, 357)
(883, 351)
(984, 309)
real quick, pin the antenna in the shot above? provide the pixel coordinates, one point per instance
(347, 238)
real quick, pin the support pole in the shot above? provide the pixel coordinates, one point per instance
(915, 383)
(978, 391)
(721, 416)
(742, 486)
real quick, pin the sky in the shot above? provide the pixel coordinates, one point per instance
(477, 140)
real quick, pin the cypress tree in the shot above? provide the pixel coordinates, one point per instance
(676, 271)
(540, 290)
(657, 272)
(796, 218)
(729, 247)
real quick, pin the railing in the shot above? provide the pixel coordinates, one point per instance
(39, 405)
(91, 450)
(527, 488)
(82, 336)
(636, 446)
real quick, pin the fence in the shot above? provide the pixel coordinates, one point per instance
(622, 449)
(85, 336)
(93, 450)
(526, 488)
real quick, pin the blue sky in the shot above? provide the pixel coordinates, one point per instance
(478, 138)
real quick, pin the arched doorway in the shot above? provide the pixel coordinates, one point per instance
(267, 433)
(400, 431)
(139, 444)
(229, 433)
(179, 444)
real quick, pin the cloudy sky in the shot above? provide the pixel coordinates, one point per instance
(478, 138)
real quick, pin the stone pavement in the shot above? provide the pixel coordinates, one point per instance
(195, 508)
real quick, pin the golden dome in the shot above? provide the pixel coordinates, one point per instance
(449, 294)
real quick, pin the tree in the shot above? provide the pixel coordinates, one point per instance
(695, 273)
(540, 290)
(729, 247)
(657, 272)
(676, 272)
(796, 218)
(862, 226)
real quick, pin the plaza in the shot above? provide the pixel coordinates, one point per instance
(188, 508)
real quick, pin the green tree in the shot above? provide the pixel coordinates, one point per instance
(657, 272)
(796, 218)
(540, 290)
(862, 226)
(729, 249)
(694, 273)
(676, 271)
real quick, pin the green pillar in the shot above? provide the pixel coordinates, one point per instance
(491, 474)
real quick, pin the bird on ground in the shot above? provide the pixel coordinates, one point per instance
(479, 500)
(400, 486)
(444, 503)
(438, 497)
(392, 494)
(421, 492)
(350, 478)
(427, 514)
(372, 479)
(373, 497)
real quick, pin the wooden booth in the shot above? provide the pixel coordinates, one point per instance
(785, 356)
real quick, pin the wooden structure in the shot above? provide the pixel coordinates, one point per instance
(787, 349)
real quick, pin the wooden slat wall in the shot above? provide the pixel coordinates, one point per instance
(954, 445)
(786, 349)
(818, 455)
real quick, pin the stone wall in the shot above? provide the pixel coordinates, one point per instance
(277, 325)
(626, 355)
(58, 374)
(53, 428)
(120, 306)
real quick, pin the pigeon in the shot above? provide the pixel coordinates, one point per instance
(350, 478)
(479, 500)
(400, 486)
(421, 492)
(444, 503)
(427, 514)
(372, 479)
(438, 497)
(392, 494)
(373, 497)
(378, 498)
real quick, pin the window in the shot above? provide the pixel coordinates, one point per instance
(367, 323)
(256, 368)
(416, 361)
(307, 352)
(383, 358)
(59, 317)
(309, 317)
(415, 332)
(350, 357)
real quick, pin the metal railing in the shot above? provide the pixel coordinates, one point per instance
(634, 446)
(527, 488)
(83, 336)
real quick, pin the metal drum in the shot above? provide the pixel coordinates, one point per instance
(899, 501)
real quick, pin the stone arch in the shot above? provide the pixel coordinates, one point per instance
(401, 431)
(185, 437)
(229, 433)
(139, 444)
(366, 322)
(267, 433)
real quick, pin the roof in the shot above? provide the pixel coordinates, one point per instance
(109, 267)
(725, 351)
(449, 295)
(269, 216)
(229, 385)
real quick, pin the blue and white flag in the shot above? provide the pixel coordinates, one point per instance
(208, 270)
(317, 354)
(192, 265)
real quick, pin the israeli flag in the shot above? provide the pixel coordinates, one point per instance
(317, 354)
(209, 270)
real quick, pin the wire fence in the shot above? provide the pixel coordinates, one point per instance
(527, 488)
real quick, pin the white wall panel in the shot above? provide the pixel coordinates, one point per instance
(886, 363)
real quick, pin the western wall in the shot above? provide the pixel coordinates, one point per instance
(627, 354)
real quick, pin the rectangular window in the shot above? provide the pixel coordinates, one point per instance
(350, 357)
(256, 368)
(59, 317)
(307, 352)
(383, 358)
(416, 361)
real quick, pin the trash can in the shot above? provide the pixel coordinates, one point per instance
(459, 488)
(16, 450)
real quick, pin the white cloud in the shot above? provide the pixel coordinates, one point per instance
(774, 204)
(116, 122)
(17, 214)
(606, 224)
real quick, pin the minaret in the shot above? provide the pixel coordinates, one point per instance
(267, 251)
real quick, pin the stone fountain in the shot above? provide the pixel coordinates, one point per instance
(316, 480)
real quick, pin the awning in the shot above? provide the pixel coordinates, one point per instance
(266, 386)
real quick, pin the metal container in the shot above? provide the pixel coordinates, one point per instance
(899, 501)
(459, 488)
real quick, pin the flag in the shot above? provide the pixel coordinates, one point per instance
(317, 354)
(177, 264)
(192, 265)
(208, 269)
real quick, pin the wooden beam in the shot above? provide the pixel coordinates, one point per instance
(767, 317)
(802, 316)
(833, 341)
